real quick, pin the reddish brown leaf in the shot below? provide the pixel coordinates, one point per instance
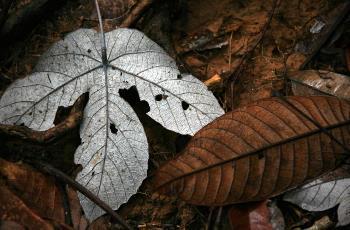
(34, 200)
(250, 216)
(258, 151)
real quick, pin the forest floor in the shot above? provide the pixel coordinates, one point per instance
(242, 50)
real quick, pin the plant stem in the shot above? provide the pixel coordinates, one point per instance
(103, 40)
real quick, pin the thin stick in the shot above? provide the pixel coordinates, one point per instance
(102, 35)
(136, 13)
(66, 179)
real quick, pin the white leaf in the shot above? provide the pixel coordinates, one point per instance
(114, 149)
(344, 212)
(320, 196)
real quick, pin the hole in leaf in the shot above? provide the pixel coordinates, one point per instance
(159, 97)
(131, 95)
(114, 130)
(63, 112)
(184, 105)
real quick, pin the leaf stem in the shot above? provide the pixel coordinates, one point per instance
(103, 40)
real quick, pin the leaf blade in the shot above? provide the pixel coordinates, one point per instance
(256, 170)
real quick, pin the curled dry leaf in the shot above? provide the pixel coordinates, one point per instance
(258, 151)
(34, 200)
(320, 82)
(114, 148)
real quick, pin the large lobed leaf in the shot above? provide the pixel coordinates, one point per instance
(259, 151)
(114, 149)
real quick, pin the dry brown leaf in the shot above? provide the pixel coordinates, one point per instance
(258, 151)
(34, 200)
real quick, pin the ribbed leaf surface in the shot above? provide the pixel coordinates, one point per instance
(259, 151)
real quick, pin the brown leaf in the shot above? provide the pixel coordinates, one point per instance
(10, 225)
(250, 216)
(34, 200)
(258, 151)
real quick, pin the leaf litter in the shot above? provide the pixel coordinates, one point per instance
(251, 86)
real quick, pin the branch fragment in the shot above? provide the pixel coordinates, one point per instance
(136, 13)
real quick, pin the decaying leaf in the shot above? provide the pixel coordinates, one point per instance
(114, 149)
(34, 200)
(319, 195)
(320, 82)
(258, 151)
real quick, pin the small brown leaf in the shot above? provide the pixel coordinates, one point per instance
(258, 151)
(34, 200)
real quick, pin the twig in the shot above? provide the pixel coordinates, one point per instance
(229, 51)
(136, 13)
(49, 135)
(65, 178)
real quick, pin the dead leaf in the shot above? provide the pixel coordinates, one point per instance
(324, 193)
(250, 216)
(320, 82)
(258, 151)
(34, 200)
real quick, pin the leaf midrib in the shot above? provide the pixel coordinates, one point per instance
(251, 153)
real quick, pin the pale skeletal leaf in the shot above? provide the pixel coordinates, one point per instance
(319, 196)
(344, 212)
(114, 149)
